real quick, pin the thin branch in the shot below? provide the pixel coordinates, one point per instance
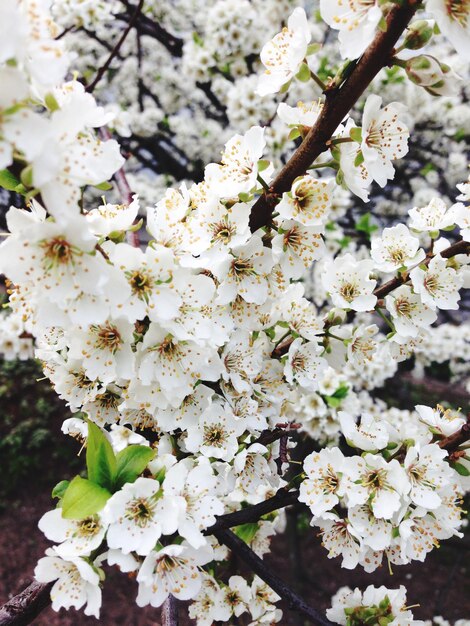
(294, 601)
(170, 612)
(452, 442)
(151, 28)
(123, 188)
(338, 103)
(23, 608)
(101, 72)
(461, 247)
(253, 513)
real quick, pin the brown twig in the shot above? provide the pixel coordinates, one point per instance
(452, 442)
(293, 600)
(123, 188)
(338, 103)
(26, 606)
(101, 72)
(461, 247)
(253, 513)
(170, 612)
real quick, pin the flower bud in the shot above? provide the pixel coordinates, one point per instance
(335, 317)
(418, 34)
(437, 78)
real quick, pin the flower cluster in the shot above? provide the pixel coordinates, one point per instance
(376, 605)
(396, 500)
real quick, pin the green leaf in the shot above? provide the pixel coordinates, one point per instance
(130, 463)
(83, 498)
(246, 532)
(60, 489)
(364, 225)
(100, 459)
(8, 181)
(461, 469)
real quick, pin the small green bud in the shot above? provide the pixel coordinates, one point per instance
(419, 34)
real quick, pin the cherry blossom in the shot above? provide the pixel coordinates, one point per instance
(356, 21)
(283, 55)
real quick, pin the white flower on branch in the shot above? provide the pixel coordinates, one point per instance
(77, 582)
(173, 570)
(384, 138)
(283, 55)
(349, 284)
(356, 21)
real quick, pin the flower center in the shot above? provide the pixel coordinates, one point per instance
(88, 527)
(404, 307)
(242, 268)
(431, 283)
(349, 291)
(214, 435)
(140, 511)
(57, 251)
(397, 255)
(459, 10)
(141, 283)
(107, 337)
(376, 479)
(222, 231)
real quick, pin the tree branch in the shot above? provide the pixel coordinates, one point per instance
(101, 72)
(170, 612)
(338, 103)
(253, 513)
(26, 606)
(452, 442)
(294, 601)
(147, 26)
(461, 247)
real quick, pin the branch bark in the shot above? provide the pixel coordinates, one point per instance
(338, 103)
(461, 247)
(170, 612)
(294, 601)
(117, 47)
(26, 606)
(452, 442)
(253, 513)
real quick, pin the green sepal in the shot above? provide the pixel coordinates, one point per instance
(51, 102)
(304, 73)
(263, 164)
(461, 469)
(356, 134)
(104, 186)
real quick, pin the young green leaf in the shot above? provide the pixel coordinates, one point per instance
(130, 463)
(60, 489)
(8, 181)
(100, 459)
(83, 498)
